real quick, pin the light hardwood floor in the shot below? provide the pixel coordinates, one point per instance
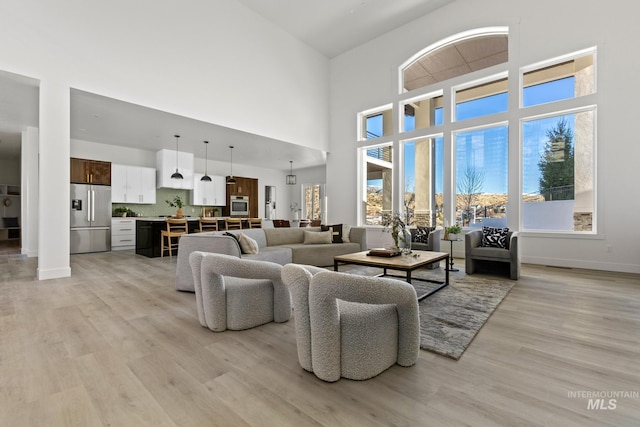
(116, 345)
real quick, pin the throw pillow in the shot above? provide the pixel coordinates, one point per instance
(421, 234)
(336, 232)
(247, 244)
(346, 229)
(316, 237)
(494, 237)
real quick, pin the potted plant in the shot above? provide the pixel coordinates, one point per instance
(123, 211)
(176, 203)
(394, 224)
(452, 232)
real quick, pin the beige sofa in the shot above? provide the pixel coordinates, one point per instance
(279, 245)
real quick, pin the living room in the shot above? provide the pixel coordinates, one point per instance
(133, 52)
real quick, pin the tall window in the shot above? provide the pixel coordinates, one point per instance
(313, 195)
(378, 167)
(457, 124)
(423, 185)
(558, 146)
(482, 177)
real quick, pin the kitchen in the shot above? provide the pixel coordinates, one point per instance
(143, 194)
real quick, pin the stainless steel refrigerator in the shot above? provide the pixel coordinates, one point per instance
(90, 218)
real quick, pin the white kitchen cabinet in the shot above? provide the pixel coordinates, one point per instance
(133, 184)
(166, 166)
(118, 183)
(123, 234)
(213, 193)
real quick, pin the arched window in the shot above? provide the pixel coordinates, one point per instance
(466, 53)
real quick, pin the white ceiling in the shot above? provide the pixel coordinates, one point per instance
(335, 26)
(331, 27)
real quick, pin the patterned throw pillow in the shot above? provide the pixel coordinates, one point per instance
(421, 234)
(336, 232)
(494, 237)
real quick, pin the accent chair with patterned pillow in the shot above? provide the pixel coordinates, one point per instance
(490, 245)
(426, 239)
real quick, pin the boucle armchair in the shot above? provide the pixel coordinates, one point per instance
(297, 278)
(475, 253)
(352, 326)
(234, 293)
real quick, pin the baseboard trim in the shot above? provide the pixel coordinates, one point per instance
(53, 273)
(584, 264)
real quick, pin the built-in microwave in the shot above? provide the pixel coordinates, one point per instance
(239, 206)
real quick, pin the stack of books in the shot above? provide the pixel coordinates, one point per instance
(384, 252)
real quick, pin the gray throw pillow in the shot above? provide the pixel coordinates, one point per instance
(316, 237)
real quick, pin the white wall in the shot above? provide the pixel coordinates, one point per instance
(213, 61)
(366, 77)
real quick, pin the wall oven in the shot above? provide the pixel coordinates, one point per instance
(239, 206)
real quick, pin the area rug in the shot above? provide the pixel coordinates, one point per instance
(451, 318)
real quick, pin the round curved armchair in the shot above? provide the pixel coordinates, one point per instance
(234, 293)
(352, 326)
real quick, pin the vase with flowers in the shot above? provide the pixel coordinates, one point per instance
(395, 225)
(296, 210)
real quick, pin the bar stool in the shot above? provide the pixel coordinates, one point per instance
(208, 224)
(175, 229)
(233, 223)
(255, 222)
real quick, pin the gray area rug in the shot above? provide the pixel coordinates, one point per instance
(451, 318)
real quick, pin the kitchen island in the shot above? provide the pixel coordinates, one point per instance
(148, 234)
(149, 229)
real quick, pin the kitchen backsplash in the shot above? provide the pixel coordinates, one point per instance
(161, 208)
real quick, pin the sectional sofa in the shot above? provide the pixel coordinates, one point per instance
(279, 245)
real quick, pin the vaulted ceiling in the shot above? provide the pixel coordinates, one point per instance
(331, 27)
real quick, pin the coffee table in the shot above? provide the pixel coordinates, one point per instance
(406, 263)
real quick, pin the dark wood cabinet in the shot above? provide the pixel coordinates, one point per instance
(85, 171)
(243, 187)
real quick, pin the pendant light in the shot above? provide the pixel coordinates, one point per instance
(231, 180)
(291, 178)
(176, 174)
(206, 177)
